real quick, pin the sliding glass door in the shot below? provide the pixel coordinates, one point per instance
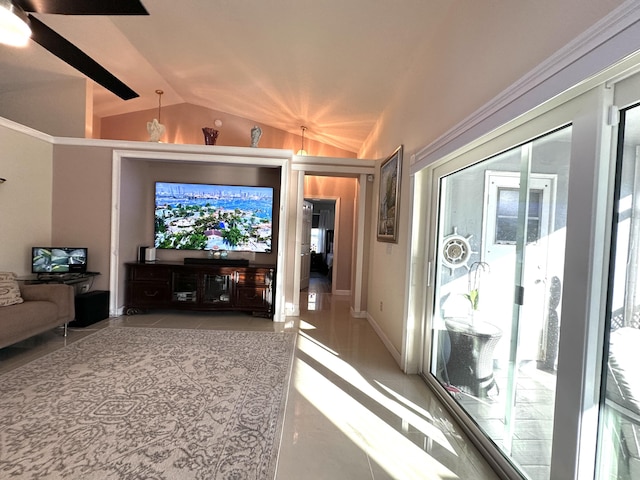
(499, 277)
(620, 413)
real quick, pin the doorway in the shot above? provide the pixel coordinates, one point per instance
(318, 243)
(499, 242)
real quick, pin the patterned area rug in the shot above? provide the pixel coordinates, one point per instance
(152, 404)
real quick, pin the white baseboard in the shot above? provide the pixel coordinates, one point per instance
(387, 343)
(292, 310)
(358, 314)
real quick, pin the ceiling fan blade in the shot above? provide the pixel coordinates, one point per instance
(83, 7)
(67, 51)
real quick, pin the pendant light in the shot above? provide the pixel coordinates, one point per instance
(154, 127)
(302, 151)
(14, 25)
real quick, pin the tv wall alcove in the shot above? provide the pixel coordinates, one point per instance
(133, 184)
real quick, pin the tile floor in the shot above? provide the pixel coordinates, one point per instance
(351, 413)
(533, 430)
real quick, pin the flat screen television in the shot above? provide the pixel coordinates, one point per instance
(190, 216)
(59, 259)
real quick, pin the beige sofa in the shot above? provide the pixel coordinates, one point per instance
(44, 307)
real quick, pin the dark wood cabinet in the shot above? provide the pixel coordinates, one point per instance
(200, 287)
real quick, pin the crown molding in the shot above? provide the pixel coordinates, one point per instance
(611, 40)
(17, 127)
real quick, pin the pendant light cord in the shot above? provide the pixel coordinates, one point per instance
(159, 92)
(303, 128)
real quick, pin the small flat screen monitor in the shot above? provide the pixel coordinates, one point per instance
(59, 260)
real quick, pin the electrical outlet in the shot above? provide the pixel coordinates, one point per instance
(380, 306)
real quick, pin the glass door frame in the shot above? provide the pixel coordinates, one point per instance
(586, 265)
(625, 95)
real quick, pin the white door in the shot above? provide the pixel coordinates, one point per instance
(305, 250)
(499, 250)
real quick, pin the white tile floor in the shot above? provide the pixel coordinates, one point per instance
(351, 413)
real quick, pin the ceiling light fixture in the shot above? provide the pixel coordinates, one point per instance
(154, 127)
(14, 25)
(302, 151)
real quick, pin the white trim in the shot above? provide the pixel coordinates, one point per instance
(17, 127)
(334, 170)
(221, 157)
(342, 292)
(114, 250)
(297, 249)
(612, 39)
(385, 340)
(280, 311)
(313, 163)
(337, 213)
(358, 314)
(225, 156)
(359, 253)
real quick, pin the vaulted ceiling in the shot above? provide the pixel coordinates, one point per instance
(331, 65)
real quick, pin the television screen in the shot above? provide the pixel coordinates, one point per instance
(213, 217)
(58, 260)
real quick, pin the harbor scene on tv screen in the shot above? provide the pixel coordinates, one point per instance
(192, 216)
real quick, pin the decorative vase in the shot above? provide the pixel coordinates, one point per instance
(155, 130)
(210, 135)
(256, 133)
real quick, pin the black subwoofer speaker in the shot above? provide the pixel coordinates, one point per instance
(91, 307)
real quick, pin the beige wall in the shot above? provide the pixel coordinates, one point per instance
(25, 198)
(82, 204)
(482, 48)
(56, 108)
(344, 190)
(184, 124)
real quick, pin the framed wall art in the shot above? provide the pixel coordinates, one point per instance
(389, 199)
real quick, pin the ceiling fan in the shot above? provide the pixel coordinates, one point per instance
(61, 47)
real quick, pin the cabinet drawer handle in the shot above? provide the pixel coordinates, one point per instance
(149, 294)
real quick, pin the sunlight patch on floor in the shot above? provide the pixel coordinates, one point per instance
(349, 374)
(306, 326)
(306, 338)
(393, 452)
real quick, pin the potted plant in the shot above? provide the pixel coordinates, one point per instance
(476, 271)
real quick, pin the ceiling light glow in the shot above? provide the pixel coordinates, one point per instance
(14, 25)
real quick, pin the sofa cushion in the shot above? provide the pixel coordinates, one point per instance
(9, 289)
(25, 320)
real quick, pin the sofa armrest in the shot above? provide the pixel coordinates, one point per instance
(62, 295)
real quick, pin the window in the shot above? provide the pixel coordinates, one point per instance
(507, 216)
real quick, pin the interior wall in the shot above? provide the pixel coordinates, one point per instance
(366, 247)
(81, 213)
(25, 198)
(184, 124)
(488, 48)
(136, 227)
(42, 106)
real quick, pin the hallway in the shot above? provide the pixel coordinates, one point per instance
(352, 414)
